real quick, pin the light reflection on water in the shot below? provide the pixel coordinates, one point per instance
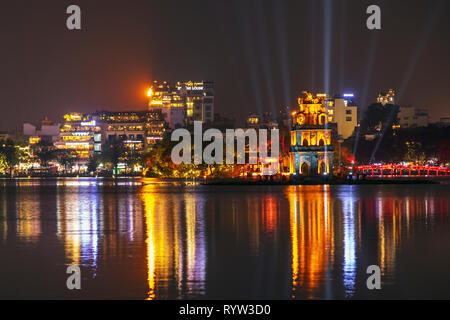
(149, 239)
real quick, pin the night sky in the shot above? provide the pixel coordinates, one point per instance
(261, 53)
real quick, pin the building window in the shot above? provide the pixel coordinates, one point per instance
(348, 119)
(348, 111)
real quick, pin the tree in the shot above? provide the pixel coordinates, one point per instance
(158, 160)
(3, 163)
(414, 153)
(45, 151)
(94, 163)
(9, 153)
(378, 117)
(113, 152)
(66, 160)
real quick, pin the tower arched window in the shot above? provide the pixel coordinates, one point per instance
(322, 119)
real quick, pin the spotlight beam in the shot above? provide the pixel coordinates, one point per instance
(328, 16)
(433, 17)
(380, 139)
(250, 55)
(280, 26)
(368, 76)
(265, 55)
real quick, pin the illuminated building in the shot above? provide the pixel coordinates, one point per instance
(199, 100)
(80, 136)
(34, 140)
(410, 117)
(311, 150)
(184, 102)
(388, 98)
(165, 98)
(344, 113)
(253, 120)
(265, 122)
(263, 163)
(135, 128)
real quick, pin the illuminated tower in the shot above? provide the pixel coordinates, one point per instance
(311, 149)
(165, 98)
(388, 98)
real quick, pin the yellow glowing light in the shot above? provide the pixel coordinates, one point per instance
(34, 140)
(150, 92)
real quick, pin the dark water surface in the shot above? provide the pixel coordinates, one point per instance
(145, 239)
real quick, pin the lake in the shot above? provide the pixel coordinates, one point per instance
(151, 239)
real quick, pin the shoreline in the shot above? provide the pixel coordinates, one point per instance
(249, 182)
(324, 182)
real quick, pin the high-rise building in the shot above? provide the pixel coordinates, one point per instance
(311, 148)
(344, 113)
(199, 97)
(184, 102)
(166, 98)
